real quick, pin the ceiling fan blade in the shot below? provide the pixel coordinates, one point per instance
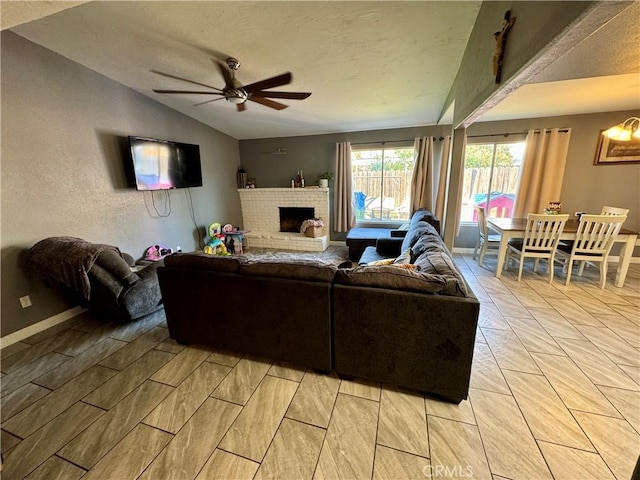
(272, 82)
(168, 75)
(186, 91)
(226, 74)
(289, 95)
(268, 103)
(207, 101)
(241, 107)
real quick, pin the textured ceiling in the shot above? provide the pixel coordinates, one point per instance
(369, 65)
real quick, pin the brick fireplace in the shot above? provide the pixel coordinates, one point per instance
(261, 209)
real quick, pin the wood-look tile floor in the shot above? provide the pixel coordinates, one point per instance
(555, 393)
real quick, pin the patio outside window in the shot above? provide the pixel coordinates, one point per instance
(382, 182)
(491, 176)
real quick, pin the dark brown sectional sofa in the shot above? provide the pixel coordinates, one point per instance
(412, 326)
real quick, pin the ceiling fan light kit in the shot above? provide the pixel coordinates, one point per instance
(234, 92)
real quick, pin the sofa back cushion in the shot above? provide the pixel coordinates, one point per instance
(427, 243)
(441, 264)
(294, 269)
(416, 230)
(203, 261)
(393, 277)
(426, 216)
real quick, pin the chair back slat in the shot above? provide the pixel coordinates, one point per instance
(596, 233)
(543, 232)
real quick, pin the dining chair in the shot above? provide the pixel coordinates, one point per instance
(485, 239)
(606, 210)
(594, 239)
(541, 238)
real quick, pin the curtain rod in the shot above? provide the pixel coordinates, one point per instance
(506, 134)
(390, 141)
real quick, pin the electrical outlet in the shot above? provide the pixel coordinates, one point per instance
(25, 301)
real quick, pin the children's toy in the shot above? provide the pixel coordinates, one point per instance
(216, 245)
(157, 252)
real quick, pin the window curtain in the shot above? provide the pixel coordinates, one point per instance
(344, 216)
(442, 181)
(422, 178)
(542, 171)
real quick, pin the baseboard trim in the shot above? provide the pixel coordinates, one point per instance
(40, 326)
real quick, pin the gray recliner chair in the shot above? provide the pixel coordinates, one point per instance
(108, 281)
(118, 291)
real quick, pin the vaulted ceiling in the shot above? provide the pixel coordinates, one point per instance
(369, 65)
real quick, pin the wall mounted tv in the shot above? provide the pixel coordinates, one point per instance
(162, 164)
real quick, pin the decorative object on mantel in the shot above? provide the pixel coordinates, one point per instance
(625, 130)
(323, 179)
(299, 180)
(241, 177)
(251, 183)
(312, 228)
(619, 144)
(501, 42)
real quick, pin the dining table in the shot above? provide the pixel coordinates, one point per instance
(510, 228)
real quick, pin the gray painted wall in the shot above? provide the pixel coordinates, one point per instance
(63, 171)
(314, 154)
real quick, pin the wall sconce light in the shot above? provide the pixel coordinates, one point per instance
(624, 131)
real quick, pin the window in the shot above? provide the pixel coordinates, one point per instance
(382, 182)
(491, 174)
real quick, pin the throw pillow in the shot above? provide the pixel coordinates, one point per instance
(384, 261)
(403, 261)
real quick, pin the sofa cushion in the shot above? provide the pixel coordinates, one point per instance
(294, 269)
(423, 215)
(203, 261)
(393, 278)
(415, 232)
(427, 243)
(441, 265)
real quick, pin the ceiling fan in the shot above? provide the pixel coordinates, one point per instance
(237, 93)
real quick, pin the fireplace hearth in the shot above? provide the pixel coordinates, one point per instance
(291, 218)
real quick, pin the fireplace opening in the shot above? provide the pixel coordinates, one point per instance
(291, 218)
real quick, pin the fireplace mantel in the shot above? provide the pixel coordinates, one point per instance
(260, 213)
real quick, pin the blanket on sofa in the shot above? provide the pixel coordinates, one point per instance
(67, 261)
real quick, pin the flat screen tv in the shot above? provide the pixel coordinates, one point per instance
(163, 165)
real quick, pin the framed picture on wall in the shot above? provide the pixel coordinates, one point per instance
(614, 152)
